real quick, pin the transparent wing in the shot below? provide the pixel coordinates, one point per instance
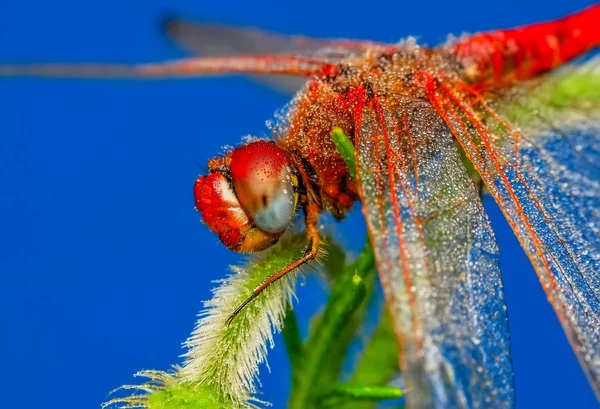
(223, 40)
(436, 256)
(219, 40)
(225, 50)
(184, 68)
(538, 152)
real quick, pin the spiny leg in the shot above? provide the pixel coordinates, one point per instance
(311, 251)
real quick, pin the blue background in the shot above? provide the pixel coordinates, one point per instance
(103, 260)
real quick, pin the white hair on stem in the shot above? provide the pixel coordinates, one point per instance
(224, 357)
(222, 362)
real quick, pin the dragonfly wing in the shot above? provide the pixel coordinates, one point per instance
(436, 256)
(184, 68)
(216, 40)
(223, 40)
(540, 160)
(225, 50)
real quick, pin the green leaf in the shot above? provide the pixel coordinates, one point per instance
(291, 337)
(581, 86)
(334, 259)
(379, 362)
(561, 96)
(346, 149)
(470, 168)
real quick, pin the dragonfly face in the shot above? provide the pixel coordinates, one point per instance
(250, 196)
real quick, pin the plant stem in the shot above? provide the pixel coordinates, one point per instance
(343, 301)
(370, 393)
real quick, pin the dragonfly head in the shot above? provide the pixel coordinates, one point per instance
(249, 197)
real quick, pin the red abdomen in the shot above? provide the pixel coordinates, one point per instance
(505, 55)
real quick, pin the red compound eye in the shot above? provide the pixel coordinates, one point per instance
(218, 204)
(265, 184)
(222, 212)
(252, 217)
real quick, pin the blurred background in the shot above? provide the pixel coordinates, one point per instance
(103, 260)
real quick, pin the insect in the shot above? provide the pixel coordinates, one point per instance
(411, 112)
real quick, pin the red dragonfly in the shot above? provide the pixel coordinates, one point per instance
(412, 113)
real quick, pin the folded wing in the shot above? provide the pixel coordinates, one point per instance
(436, 256)
(222, 40)
(538, 152)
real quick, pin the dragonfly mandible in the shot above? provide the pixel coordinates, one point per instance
(411, 112)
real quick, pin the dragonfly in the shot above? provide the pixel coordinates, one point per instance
(427, 126)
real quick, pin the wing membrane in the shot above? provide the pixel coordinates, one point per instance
(222, 40)
(436, 256)
(184, 68)
(545, 177)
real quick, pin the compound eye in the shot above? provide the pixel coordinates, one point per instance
(265, 185)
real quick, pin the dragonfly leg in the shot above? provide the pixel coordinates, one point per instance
(310, 253)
